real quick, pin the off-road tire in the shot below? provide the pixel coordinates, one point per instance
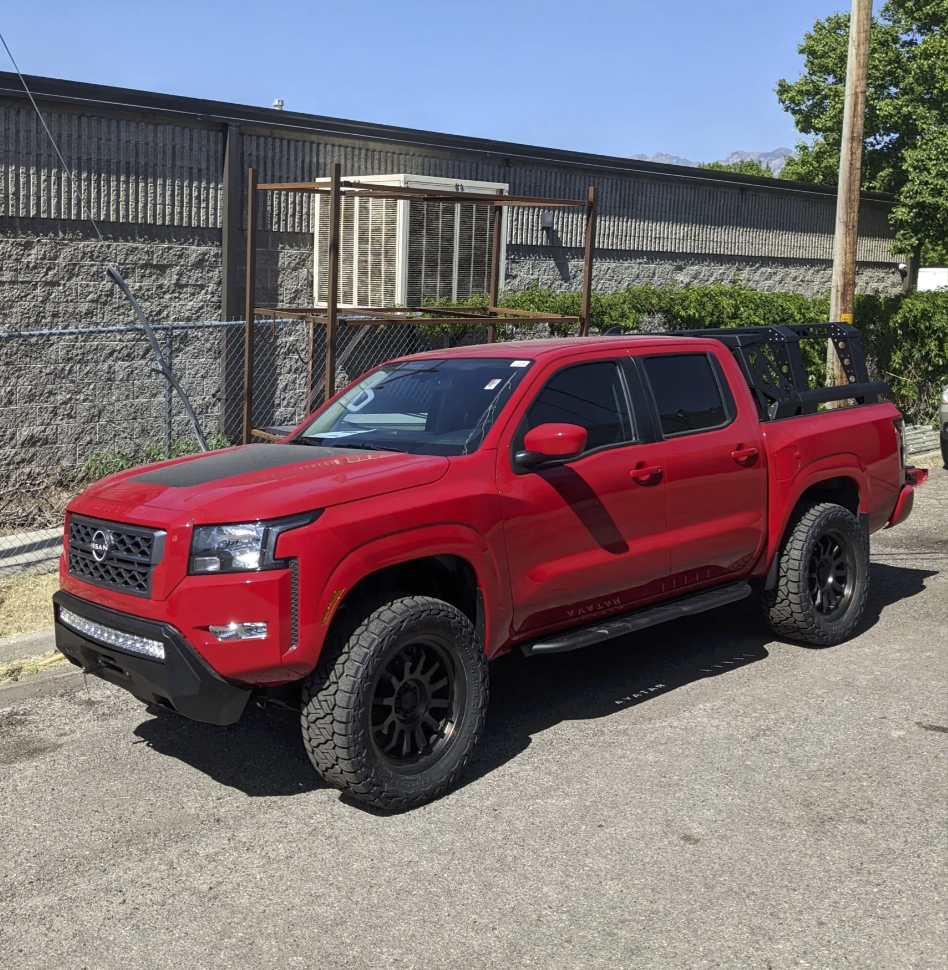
(793, 606)
(341, 698)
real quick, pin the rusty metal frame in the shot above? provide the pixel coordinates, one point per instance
(330, 315)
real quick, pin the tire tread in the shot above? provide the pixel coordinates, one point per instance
(333, 732)
(788, 606)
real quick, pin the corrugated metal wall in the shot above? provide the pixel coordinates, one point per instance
(146, 172)
(636, 213)
(129, 170)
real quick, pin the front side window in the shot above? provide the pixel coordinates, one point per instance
(687, 393)
(590, 395)
(421, 406)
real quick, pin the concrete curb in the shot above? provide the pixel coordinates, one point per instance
(25, 551)
(27, 645)
(41, 684)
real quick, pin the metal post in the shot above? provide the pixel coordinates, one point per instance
(169, 417)
(497, 214)
(250, 298)
(310, 375)
(584, 313)
(230, 413)
(230, 225)
(842, 294)
(332, 291)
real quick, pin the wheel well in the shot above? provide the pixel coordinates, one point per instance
(448, 578)
(840, 491)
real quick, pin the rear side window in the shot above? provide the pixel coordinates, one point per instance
(590, 395)
(687, 393)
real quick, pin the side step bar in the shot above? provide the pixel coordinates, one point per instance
(629, 622)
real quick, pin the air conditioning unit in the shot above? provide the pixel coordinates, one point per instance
(401, 251)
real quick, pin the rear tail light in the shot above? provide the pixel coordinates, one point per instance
(900, 435)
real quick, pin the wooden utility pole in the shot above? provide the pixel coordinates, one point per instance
(850, 168)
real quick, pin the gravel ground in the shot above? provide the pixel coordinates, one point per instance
(696, 796)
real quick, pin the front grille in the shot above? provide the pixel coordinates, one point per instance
(113, 554)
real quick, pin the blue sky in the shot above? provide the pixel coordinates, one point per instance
(688, 77)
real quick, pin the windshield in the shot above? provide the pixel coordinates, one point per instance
(422, 406)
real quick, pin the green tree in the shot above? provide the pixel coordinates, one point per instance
(745, 167)
(906, 130)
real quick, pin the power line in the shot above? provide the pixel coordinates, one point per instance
(39, 114)
(112, 272)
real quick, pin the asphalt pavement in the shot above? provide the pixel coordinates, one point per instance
(696, 796)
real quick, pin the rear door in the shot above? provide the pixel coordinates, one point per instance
(715, 477)
(585, 537)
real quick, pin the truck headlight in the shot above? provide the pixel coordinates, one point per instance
(246, 547)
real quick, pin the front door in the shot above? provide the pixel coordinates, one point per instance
(585, 537)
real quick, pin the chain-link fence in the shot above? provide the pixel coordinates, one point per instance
(79, 403)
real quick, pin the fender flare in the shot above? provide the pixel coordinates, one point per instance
(844, 465)
(441, 539)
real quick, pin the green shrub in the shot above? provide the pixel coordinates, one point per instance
(906, 338)
(104, 463)
(909, 349)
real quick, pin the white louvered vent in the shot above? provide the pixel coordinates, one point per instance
(402, 252)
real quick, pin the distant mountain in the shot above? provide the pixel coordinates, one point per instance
(775, 159)
(665, 159)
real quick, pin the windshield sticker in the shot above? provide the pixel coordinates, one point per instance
(490, 385)
(520, 363)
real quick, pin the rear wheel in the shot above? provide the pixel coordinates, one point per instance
(944, 452)
(822, 577)
(397, 703)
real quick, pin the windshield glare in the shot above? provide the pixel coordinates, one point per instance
(422, 406)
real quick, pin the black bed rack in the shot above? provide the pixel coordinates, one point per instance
(773, 365)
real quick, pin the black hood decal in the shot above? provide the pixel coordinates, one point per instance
(227, 464)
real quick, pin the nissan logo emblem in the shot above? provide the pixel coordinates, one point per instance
(101, 542)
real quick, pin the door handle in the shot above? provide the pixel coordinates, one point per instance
(745, 456)
(643, 474)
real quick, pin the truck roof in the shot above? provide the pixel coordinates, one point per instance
(533, 349)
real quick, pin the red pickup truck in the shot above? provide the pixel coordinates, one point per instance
(449, 507)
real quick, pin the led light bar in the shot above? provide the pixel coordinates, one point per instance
(129, 642)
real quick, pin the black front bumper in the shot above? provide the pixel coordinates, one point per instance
(183, 682)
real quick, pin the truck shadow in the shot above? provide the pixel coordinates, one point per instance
(263, 754)
(530, 695)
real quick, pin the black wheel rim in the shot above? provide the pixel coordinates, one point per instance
(416, 697)
(831, 574)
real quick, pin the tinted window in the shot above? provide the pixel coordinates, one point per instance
(687, 393)
(590, 395)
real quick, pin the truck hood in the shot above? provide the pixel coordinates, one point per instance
(258, 482)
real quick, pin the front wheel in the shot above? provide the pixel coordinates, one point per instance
(822, 577)
(393, 710)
